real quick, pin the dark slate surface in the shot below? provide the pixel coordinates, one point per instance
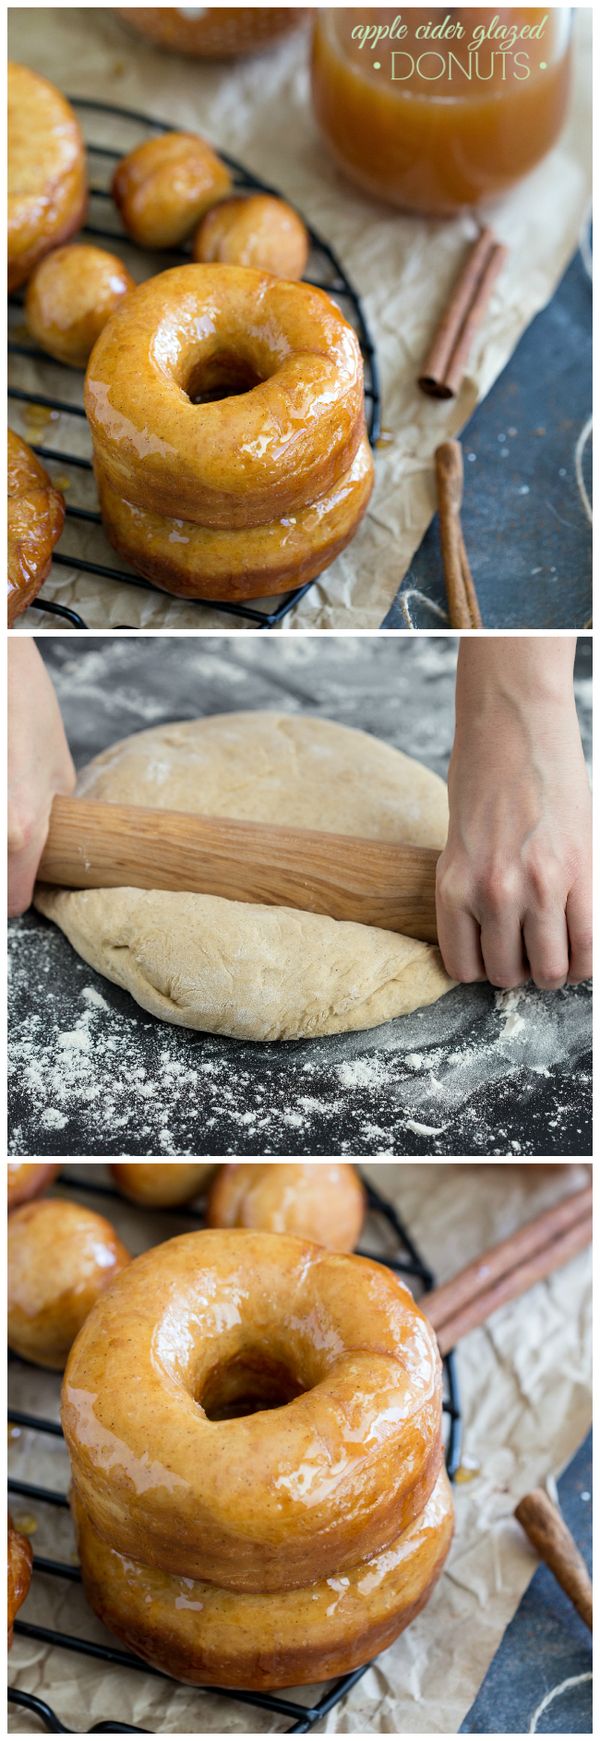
(546, 1642)
(526, 531)
(93, 1074)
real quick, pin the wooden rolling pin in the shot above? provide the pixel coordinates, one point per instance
(92, 845)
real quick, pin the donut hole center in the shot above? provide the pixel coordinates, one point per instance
(223, 376)
(248, 1384)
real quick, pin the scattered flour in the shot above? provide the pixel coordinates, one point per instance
(111, 1080)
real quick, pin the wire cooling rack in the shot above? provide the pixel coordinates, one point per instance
(324, 270)
(407, 1263)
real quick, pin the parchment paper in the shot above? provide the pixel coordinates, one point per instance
(525, 1383)
(259, 110)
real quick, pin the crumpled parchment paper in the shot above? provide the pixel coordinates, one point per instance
(525, 1383)
(259, 111)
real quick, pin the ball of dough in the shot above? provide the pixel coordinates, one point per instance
(165, 186)
(161, 1184)
(231, 967)
(256, 230)
(322, 1200)
(28, 1178)
(61, 1258)
(70, 297)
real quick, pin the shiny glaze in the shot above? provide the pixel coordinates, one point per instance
(36, 513)
(246, 459)
(20, 1562)
(47, 193)
(323, 1201)
(160, 1184)
(165, 186)
(61, 1258)
(26, 1178)
(274, 1499)
(215, 30)
(195, 562)
(70, 296)
(254, 230)
(201, 1634)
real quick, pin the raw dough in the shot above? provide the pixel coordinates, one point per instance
(259, 973)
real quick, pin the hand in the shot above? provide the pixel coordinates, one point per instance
(39, 765)
(514, 883)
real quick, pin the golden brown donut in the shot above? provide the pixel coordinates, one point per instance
(20, 1564)
(173, 1469)
(61, 1258)
(36, 513)
(161, 1184)
(253, 562)
(27, 1178)
(254, 230)
(212, 31)
(70, 297)
(47, 193)
(322, 1200)
(165, 186)
(204, 1635)
(250, 457)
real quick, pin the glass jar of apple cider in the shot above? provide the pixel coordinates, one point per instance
(436, 110)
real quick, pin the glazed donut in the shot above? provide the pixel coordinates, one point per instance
(211, 31)
(259, 561)
(205, 1635)
(20, 1564)
(61, 1258)
(36, 514)
(171, 1469)
(47, 194)
(256, 230)
(236, 461)
(165, 186)
(27, 1178)
(160, 1184)
(70, 297)
(323, 1200)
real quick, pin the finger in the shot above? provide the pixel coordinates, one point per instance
(26, 845)
(503, 951)
(579, 927)
(22, 872)
(458, 938)
(547, 945)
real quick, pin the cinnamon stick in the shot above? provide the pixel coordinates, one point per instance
(448, 355)
(516, 1282)
(478, 1277)
(548, 1532)
(463, 604)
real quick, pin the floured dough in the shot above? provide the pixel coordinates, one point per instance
(258, 972)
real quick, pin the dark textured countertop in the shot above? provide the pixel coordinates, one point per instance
(93, 1074)
(525, 526)
(546, 1643)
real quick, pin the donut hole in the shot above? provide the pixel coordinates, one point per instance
(248, 1384)
(223, 376)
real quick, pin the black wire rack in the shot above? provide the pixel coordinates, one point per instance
(325, 271)
(407, 1263)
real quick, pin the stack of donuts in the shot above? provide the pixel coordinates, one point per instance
(227, 418)
(254, 1427)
